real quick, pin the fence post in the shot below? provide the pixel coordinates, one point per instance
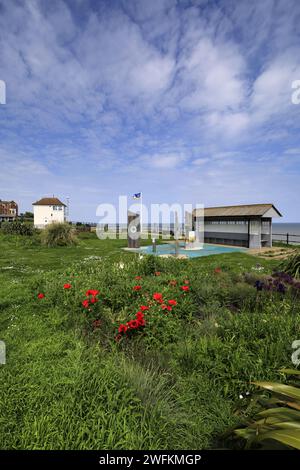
(287, 238)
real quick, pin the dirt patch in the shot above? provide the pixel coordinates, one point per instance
(275, 252)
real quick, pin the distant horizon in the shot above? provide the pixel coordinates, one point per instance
(275, 220)
(95, 221)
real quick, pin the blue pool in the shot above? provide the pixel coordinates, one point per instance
(208, 249)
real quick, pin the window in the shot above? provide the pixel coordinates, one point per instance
(225, 222)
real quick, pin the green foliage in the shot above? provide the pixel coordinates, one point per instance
(280, 418)
(292, 265)
(233, 349)
(59, 234)
(150, 264)
(27, 216)
(17, 228)
(174, 384)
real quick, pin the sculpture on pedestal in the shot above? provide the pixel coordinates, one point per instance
(133, 230)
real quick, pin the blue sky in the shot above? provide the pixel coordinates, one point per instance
(187, 101)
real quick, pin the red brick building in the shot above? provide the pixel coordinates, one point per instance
(8, 210)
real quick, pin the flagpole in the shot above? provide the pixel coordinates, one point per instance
(141, 215)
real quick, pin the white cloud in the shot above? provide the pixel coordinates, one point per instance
(213, 75)
(201, 161)
(272, 90)
(164, 161)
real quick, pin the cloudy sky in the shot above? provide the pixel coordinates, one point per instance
(186, 100)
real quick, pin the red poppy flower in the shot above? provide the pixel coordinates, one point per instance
(137, 287)
(173, 283)
(122, 328)
(133, 324)
(186, 281)
(218, 270)
(141, 322)
(92, 292)
(157, 273)
(41, 296)
(138, 278)
(172, 302)
(185, 288)
(158, 297)
(67, 286)
(93, 300)
(139, 315)
(85, 303)
(144, 308)
(166, 307)
(96, 323)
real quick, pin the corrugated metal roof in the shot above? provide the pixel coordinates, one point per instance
(240, 211)
(48, 201)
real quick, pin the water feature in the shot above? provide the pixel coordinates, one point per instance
(207, 250)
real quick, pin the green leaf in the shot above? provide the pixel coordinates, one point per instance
(281, 412)
(264, 424)
(288, 425)
(290, 371)
(246, 433)
(289, 437)
(282, 389)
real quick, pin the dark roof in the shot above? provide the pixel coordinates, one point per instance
(239, 211)
(48, 201)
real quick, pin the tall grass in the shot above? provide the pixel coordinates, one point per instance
(58, 234)
(292, 265)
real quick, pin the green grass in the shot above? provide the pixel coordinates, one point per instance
(290, 246)
(65, 388)
(31, 254)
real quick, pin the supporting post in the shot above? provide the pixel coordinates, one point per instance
(287, 238)
(248, 233)
(176, 235)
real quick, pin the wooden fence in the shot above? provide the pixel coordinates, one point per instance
(288, 238)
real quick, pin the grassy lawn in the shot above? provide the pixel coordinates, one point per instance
(174, 384)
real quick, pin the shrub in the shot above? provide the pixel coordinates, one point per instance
(17, 228)
(291, 266)
(280, 420)
(59, 234)
(151, 264)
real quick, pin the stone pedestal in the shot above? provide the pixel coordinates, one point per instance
(133, 230)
